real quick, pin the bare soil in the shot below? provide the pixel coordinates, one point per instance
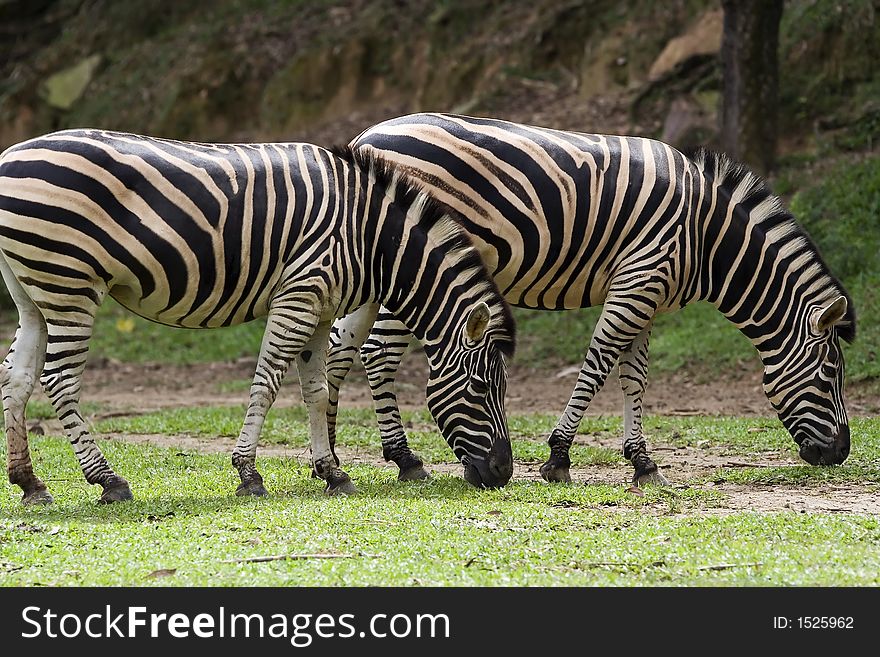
(121, 389)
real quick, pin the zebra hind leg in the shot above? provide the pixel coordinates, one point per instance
(633, 377)
(69, 336)
(312, 368)
(346, 337)
(18, 375)
(381, 355)
(622, 320)
(289, 326)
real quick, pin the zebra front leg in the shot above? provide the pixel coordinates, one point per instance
(381, 355)
(312, 366)
(633, 377)
(68, 340)
(346, 338)
(623, 318)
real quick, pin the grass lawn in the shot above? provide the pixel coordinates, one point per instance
(186, 528)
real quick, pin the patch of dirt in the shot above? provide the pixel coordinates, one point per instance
(123, 389)
(120, 386)
(145, 387)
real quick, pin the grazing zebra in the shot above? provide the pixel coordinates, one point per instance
(211, 235)
(568, 220)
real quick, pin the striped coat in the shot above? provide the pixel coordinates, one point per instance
(211, 235)
(570, 220)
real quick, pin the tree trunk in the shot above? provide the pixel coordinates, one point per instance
(749, 68)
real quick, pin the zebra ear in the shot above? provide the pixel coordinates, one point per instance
(830, 315)
(477, 322)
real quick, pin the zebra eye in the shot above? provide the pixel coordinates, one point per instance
(833, 357)
(829, 371)
(478, 385)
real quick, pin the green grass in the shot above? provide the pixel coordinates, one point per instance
(740, 437)
(440, 532)
(356, 429)
(38, 409)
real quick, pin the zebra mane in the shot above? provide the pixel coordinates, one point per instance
(444, 228)
(777, 223)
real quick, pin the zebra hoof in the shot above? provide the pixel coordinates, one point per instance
(647, 473)
(252, 487)
(339, 483)
(118, 491)
(37, 497)
(416, 473)
(555, 474)
(654, 477)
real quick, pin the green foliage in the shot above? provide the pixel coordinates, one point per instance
(828, 54)
(842, 215)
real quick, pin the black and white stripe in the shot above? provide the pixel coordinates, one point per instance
(211, 235)
(568, 220)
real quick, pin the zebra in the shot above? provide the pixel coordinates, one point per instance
(570, 220)
(199, 235)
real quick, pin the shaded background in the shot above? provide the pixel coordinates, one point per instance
(244, 70)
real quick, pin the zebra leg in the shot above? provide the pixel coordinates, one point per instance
(346, 337)
(18, 376)
(633, 375)
(282, 339)
(623, 318)
(312, 366)
(381, 356)
(68, 343)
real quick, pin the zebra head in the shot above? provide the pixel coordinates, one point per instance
(465, 395)
(806, 389)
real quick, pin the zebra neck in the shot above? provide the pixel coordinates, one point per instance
(428, 276)
(757, 282)
(414, 283)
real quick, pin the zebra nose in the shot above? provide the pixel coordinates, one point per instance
(501, 463)
(833, 454)
(494, 470)
(841, 444)
(810, 452)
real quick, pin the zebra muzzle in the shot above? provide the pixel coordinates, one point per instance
(833, 452)
(493, 471)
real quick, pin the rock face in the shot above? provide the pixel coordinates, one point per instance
(64, 88)
(690, 122)
(703, 38)
(237, 71)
